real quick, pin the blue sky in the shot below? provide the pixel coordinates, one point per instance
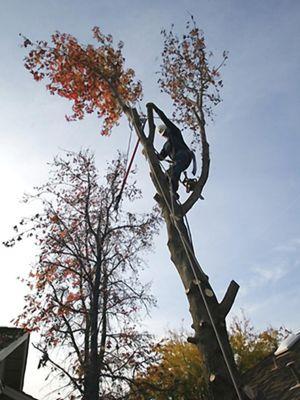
(248, 227)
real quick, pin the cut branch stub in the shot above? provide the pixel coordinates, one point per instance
(228, 300)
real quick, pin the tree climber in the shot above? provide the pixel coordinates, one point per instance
(175, 148)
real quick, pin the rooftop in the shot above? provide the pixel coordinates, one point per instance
(277, 376)
(9, 335)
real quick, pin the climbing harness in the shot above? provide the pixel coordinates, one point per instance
(188, 183)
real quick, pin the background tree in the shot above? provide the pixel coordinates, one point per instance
(85, 296)
(251, 346)
(179, 373)
(94, 78)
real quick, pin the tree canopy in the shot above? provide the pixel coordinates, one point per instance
(94, 77)
(85, 295)
(180, 373)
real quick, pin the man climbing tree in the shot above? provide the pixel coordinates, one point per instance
(175, 148)
(94, 78)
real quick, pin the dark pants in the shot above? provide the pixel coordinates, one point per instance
(182, 161)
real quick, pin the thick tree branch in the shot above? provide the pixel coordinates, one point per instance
(158, 177)
(197, 192)
(151, 124)
(228, 300)
(104, 323)
(87, 206)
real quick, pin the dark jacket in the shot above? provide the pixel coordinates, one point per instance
(175, 142)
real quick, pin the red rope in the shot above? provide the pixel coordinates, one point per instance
(126, 175)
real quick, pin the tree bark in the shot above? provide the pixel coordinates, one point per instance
(92, 378)
(207, 314)
(220, 382)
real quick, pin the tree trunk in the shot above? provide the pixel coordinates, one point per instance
(207, 314)
(220, 382)
(92, 376)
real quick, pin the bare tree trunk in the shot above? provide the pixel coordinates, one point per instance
(91, 381)
(92, 378)
(220, 382)
(207, 314)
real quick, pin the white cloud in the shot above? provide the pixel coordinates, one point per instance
(291, 246)
(264, 275)
(268, 274)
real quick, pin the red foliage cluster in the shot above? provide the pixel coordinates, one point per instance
(94, 78)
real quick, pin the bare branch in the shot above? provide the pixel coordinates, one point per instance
(197, 192)
(151, 124)
(228, 300)
(60, 368)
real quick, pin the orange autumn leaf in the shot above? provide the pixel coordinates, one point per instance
(63, 234)
(72, 297)
(93, 77)
(54, 218)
